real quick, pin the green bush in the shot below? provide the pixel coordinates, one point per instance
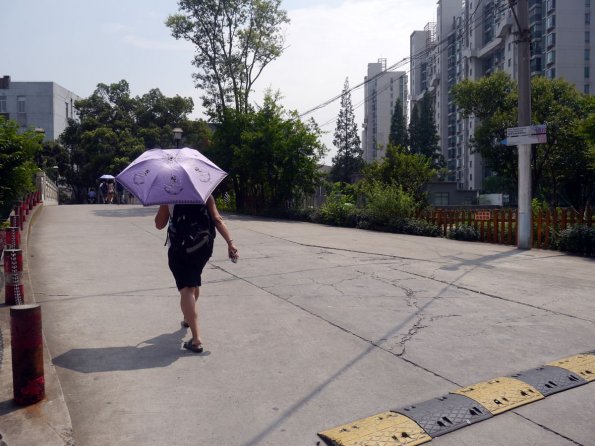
(338, 209)
(577, 239)
(385, 202)
(464, 232)
(413, 226)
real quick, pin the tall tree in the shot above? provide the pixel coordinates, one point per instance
(114, 128)
(348, 160)
(270, 154)
(398, 126)
(423, 135)
(235, 40)
(561, 170)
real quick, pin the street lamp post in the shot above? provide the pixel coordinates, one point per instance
(177, 136)
(55, 169)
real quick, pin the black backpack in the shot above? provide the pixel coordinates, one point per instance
(190, 228)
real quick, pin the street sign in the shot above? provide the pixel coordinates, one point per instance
(530, 134)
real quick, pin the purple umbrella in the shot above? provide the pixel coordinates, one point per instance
(171, 176)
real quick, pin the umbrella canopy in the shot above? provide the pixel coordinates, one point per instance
(171, 176)
(107, 177)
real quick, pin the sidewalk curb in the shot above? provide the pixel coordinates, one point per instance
(47, 422)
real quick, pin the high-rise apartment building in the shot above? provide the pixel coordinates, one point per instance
(382, 88)
(44, 105)
(474, 38)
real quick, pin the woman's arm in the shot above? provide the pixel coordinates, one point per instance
(222, 228)
(162, 216)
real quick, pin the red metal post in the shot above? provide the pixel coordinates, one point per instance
(28, 381)
(12, 237)
(14, 291)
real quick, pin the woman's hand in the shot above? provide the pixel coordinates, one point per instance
(232, 251)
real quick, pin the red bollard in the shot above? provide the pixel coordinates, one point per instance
(28, 381)
(14, 291)
(38, 196)
(20, 212)
(13, 237)
(30, 200)
(14, 220)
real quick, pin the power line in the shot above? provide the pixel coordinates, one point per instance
(422, 54)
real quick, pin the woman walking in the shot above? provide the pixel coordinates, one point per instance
(191, 233)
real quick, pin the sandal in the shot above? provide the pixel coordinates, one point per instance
(188, 345)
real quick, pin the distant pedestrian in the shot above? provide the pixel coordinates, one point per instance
(91, 196)
(102, 192)
(111, 192)
(191, 235)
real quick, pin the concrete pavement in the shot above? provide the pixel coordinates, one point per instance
(314, 327)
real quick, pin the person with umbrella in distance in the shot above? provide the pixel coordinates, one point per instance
(181, 182)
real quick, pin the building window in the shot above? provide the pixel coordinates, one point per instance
(587, 36)
(550, 57)
(587, 54)
(586, 89)
(587, 72)
(470, 177)
(551, 5)
(551, 22)
(551, 39)
(550, 73)
(587, 18)
(21, 104)
(509, 62)
(2, 104)
(440, 198)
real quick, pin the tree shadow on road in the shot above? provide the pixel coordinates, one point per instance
(126, 211)
(160, 351)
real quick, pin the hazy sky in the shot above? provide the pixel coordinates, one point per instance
(80, 43)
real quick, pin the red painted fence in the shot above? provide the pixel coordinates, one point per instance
(500, 225)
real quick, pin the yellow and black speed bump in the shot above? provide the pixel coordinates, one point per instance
(445, 414)
(385, 429)
(419, 423)
(549, 379)
(583, 365)
(501, 394)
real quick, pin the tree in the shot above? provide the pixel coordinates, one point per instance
(423, 136)
(560, 169)
(271, 155)
(348, 160)
(235, 40)
(114, 128)
(398, 126)
(410, 172)
(17, 163)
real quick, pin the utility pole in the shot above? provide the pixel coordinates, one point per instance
(524, 230)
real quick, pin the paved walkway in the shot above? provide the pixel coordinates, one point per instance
(314, 327)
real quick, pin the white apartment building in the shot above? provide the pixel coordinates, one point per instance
(382, 88)
(42, 105)
(472, 39)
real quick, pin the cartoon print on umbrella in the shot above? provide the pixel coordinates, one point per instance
(203, 176)
(139, 178)
(174, 187)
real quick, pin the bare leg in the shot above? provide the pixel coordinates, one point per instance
(188, 306)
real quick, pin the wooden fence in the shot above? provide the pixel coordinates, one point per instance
(500, 225)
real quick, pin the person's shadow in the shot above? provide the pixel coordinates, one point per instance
(160, 351)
